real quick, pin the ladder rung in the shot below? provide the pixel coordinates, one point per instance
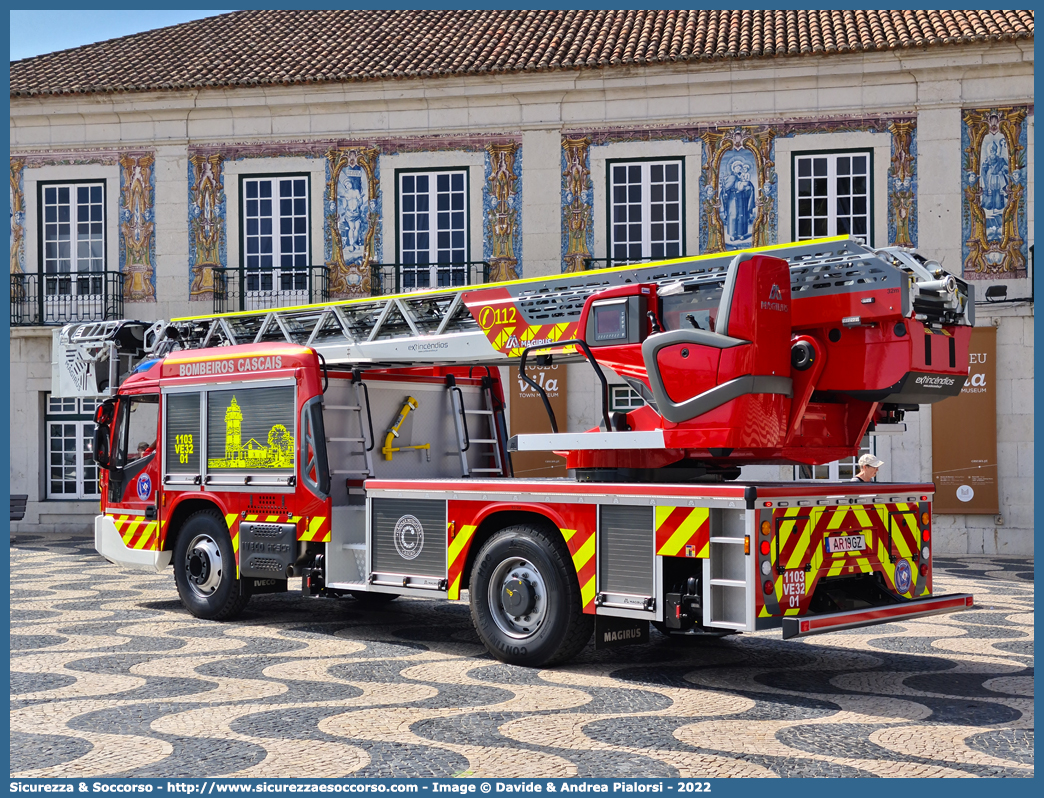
(479, 412)
(483, 440)
(487, 470)
(341, 407)
(345, 440)
(364, 471)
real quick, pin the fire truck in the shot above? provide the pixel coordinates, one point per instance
(360, 448)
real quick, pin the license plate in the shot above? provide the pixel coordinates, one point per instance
(845, 543)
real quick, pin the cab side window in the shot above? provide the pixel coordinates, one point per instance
(139, 418)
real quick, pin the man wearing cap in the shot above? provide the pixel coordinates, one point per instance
(868, 465)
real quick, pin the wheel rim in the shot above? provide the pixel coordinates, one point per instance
(203, 566)
(518, 598)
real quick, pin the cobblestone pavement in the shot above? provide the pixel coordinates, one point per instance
(111, 677)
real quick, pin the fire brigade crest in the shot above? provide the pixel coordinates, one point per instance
(408, 537)
(144, 487)
(903, 576)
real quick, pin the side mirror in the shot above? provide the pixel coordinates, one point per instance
(102, 434)
(104, 412)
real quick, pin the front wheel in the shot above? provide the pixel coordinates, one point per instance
(525, 600)
(205, 569)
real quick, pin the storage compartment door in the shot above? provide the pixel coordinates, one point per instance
(626, 560)
(408, 543)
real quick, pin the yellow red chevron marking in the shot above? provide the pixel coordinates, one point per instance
(587, 593)
(456, 557)
(232, 522)
(683, 531)
(318, 531)
(136, 532)
(581, 543)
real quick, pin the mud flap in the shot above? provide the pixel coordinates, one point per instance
(613, 632)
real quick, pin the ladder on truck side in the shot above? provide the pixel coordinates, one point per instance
(362, 405)
(464, 439)
(438, 327)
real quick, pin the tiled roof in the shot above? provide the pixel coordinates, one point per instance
(246, 48)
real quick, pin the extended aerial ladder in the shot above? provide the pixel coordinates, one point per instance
(493, 324)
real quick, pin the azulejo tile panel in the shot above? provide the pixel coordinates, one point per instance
(137, 226)
(17, 217)
(993, 201)
(502, 210)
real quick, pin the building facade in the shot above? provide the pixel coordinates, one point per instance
(213, 167)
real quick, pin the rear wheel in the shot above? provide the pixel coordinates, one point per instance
(205, 569)
(525, 600)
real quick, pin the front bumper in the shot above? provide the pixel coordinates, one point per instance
(109, 544)
(807, 625)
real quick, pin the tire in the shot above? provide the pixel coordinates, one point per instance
(531, 568)
(373, 600)
(205, 569)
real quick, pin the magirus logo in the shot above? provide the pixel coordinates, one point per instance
(775, 300)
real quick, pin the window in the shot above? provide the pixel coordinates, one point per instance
(71, 470)
(251, 430)
(832, 195)
(645, 210)
(839, 469)
(433, 229)
(182, 441)
(624, 398)
(73, 233)
(137, 422)
(275, 238)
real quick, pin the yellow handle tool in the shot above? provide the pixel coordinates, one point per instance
(387, 450)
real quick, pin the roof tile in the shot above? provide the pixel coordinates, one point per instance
(246, 48)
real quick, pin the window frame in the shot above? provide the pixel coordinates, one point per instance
(433, 265)
(41, 225)
(832, 216)
(83, 419)
(220, 479)
(682, 210)
(276, 270)
(622, 398)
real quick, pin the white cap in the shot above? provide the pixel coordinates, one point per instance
(868, 460)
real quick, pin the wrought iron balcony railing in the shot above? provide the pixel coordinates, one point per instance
(606, 263)
(63, 298)
(239, 289)
(403, 278)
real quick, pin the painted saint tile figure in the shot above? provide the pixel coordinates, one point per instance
(737, 196)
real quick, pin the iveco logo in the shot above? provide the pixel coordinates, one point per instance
(775, 293)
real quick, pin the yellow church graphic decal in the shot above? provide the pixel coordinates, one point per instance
(279, 453)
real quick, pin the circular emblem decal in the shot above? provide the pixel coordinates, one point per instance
(902, 576)
(409, 537)
(965, 493)
(144, 487)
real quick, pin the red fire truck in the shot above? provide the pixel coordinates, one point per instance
(361, 446)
